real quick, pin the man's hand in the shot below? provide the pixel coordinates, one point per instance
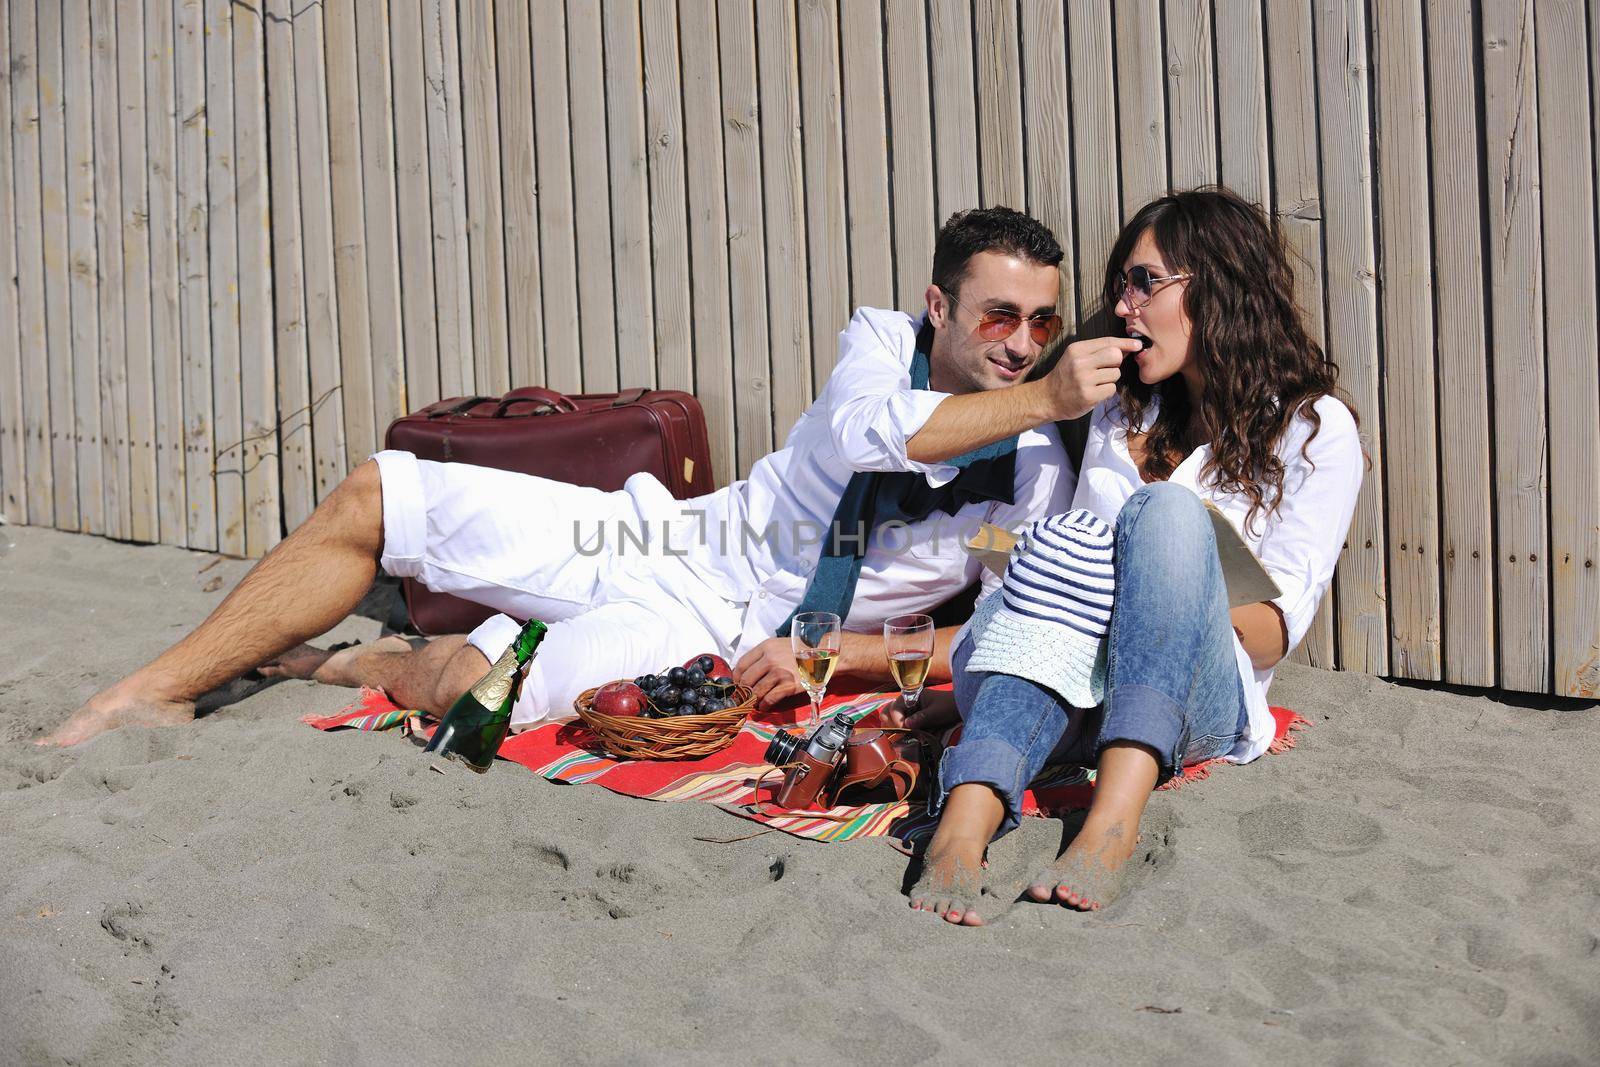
(768, 669)
(1087, 373)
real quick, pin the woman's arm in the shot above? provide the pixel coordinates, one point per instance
(1262, 632)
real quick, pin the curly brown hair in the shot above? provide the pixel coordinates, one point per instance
(1260, 365)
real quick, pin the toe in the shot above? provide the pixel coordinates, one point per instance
(972, 918)
(1041, 891)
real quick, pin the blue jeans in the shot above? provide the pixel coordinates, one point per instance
(1172, 682)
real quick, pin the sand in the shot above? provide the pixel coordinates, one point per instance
(1415, 883)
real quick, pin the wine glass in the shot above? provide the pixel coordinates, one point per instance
(908, 640)
(814, 636)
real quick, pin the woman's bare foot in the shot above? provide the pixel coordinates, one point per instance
(951, 882)
(338, 665)
(1089, 874)
(121, 705)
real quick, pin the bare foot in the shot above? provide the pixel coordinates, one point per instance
(952, 882)
(114, 707)
(330, 666)
(1089, 874)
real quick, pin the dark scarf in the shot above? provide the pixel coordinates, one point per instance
(873, 498)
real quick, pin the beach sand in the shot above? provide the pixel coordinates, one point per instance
(1415, 883)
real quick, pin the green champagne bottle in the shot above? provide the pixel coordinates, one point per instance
(473, 728)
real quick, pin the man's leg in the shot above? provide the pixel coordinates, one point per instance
(420, 674)
(305, 585)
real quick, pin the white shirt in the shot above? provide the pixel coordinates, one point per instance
(861, 422)
(1298, 544)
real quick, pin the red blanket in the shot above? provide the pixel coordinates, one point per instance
(566, 752)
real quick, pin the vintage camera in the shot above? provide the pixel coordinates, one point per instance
(836, 757)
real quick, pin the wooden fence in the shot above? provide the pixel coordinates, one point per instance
(245, 234)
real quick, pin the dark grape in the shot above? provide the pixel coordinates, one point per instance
(677, 676)
(706, 664)
(695, 678)
(709, 692)
(669, 696)
(691, 698)
(648, 682)
(724, 683)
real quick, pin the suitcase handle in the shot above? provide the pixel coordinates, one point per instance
(632, 396)
(544, 401)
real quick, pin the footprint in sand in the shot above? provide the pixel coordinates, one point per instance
(1283, 829)
(121, 922)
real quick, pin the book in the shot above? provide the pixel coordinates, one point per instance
(1247, 580)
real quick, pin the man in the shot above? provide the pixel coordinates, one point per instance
(926, 428)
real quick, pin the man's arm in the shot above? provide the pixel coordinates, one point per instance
(769, 667)
(1085, 375)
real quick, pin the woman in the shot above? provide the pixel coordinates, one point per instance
(1234, 405)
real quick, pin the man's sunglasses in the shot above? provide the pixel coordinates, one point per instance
(998, 324)
(1139, 285)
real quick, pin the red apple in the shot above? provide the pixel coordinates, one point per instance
(622, 699)
(719, 666)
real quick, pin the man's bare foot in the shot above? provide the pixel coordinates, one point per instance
(952, 881)
(1089, 874)
(118, 706)
(338, 665)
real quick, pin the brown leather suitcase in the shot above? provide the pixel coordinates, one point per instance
(598, 440)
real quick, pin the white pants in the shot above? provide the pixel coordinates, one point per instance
(524, 546)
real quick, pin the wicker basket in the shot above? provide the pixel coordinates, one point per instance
(679, 737)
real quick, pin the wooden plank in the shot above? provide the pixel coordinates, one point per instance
(348, 188)
(526, 192)
(1467, 545)
(223, 242)
(13, 459)
(1342, 100)
(788, 272)
(485, 238)
(414, 207)
(1191, 93)
(1297, 194)
(669, 223)
(866, 157)
(1516, 297)
(194, 276)
(441, 64)
(741, 117)
(64, 428)
(133, 237)
(317, 249)
(1572, 348)
(822, 137)
(166, 343)
(288, 271)
(630, 194)
(1409, 378)
(1094, 122)
(84, 267)
(258, 379)
(373, 78)
(708, 230)
(1141, 105)
(1242, 99)
(911, 132)
(586, 126)
(1047, 111)
(33, 349)
(113, 350)
(955, 116)
(1000, 173)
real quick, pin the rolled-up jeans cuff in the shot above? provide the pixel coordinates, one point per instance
(991, 762)
(405, 513)
(1148, 717)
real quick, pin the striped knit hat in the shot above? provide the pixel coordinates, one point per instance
(1049, 619)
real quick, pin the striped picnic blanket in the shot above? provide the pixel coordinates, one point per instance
(566, 752)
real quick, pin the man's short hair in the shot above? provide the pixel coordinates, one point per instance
(989, 229)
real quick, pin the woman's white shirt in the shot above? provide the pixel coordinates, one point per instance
(1298, 544)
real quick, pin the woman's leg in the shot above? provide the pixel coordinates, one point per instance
(1011, 727)
(1173, 694)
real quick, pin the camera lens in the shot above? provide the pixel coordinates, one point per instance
(782, 747)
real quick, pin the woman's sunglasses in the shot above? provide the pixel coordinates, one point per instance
(998, 324)
(1139, 285)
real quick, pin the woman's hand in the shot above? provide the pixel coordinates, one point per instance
(936, 712)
